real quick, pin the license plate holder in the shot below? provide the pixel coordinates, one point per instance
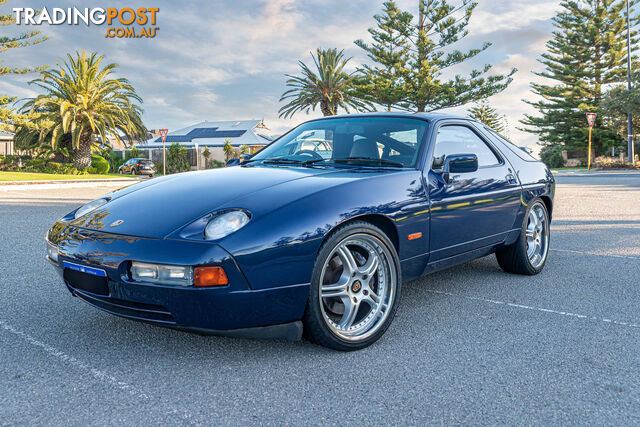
(85, 278)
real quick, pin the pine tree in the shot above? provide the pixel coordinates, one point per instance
(416, 55)
(8, 116)
(587, 51)
(385, 84)
(483, 112)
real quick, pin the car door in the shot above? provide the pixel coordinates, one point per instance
(469, 210)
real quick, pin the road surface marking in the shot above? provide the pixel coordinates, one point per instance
(596, 254)
(96, 373)
(543, 310)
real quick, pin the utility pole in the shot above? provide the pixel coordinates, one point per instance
(629, 118)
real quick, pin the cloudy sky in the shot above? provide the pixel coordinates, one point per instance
(226, 59)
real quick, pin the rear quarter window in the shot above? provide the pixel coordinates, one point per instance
(510, 145)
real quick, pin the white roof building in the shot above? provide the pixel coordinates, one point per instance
(213, 134)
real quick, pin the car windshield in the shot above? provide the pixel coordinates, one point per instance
(368, 141)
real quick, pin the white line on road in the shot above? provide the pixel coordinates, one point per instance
(596, 254)
(96, 373)
(543, 310)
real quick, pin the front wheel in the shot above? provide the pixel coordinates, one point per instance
(528, 254)
(355, 288)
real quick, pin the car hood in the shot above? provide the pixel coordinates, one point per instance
(157, 207)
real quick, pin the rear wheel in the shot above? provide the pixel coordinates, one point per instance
(354, 289)
(528, 254)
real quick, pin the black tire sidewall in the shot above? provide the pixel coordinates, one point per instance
(315, 325)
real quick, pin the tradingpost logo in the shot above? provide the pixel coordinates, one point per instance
(121, 23)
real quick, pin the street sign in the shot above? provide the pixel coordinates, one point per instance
(591, 118)
(163, 135)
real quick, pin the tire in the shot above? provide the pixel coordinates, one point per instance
(328, 320)
(517, 258)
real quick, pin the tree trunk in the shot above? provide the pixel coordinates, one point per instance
(326, 109)
(82, 154)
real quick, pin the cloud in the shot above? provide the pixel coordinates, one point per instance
(219, 60)
(520, 15)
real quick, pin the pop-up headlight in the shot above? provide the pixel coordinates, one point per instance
(224, 224)
(89, 207)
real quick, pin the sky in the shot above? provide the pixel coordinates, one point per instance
(227, 59)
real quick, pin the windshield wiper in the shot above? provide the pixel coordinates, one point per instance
(381, 162)
(280, 161)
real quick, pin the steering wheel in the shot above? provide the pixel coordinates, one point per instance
(313, 154)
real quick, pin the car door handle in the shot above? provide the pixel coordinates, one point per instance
(511, 179)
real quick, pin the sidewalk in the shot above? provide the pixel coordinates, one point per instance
(71, 183)
(599, 172)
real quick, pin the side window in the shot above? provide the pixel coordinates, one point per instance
(461, 140)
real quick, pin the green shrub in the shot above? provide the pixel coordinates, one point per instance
(100, 164)
(115, 161)
(177, 160)
(552, 156)
(213, 164)
(605, 162)
(131, 154)
(90, 170)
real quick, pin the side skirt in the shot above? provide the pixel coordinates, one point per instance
(442, 264)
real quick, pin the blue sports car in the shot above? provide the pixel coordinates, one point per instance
(315, 233)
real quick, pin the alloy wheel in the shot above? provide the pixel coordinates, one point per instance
(358, 287)
(537, 236)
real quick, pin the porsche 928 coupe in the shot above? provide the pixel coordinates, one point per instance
(313, 234)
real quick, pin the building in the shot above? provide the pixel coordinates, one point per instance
(6, 143)
(212, 135)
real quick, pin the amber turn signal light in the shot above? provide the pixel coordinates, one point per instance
(414, 236)
(205, 277)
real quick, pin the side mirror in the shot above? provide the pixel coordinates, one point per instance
(459, 163)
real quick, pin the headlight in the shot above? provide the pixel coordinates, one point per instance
(224, 224)
(91, 206)
(52, 251)
(163, 274)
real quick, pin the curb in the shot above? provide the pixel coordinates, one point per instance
(52, 184)
(596, 172)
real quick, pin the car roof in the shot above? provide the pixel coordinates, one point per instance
(425, 116)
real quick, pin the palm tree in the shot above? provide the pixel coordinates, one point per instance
(227, 149)
(331, 87)
(81, 100)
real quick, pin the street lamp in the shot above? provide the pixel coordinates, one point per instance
(629, 119)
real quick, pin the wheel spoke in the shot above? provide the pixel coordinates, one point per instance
(533, 220)
(529, 234)
(348, 261)
(371, 266)
(334, 289)
(373, 300)
(350, 312)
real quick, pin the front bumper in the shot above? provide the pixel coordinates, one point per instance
(235, 309)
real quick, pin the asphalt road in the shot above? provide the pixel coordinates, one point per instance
(470, 345)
